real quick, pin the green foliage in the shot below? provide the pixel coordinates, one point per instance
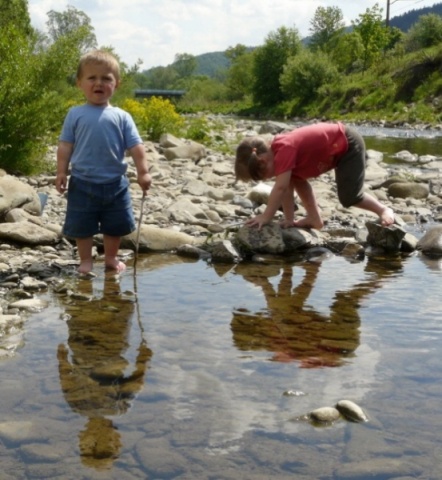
(326, 26)
(15, 12)
(305, 73)
(30, 108)
(72, 20)
(198, 129)
(35, 91)
(203, 92)
(239, 79)
(154, 116)
(347, 53)
(269, 61)
(426, 32)
(185, 64)
(374, 36)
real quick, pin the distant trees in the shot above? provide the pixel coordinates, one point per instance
(424, 33)
(326, 27)
(185, 65)
(305, 73)
(373, 34)
(268, 65)
(239, 81)
(71, 22)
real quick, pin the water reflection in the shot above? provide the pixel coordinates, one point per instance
(97, 378)
(293, 329)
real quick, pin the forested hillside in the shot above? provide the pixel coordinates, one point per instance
(212, 63)
(369, 72)
(406, 20)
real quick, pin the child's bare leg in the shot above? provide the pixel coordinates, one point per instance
(84, 247)
(386, 214)
(307, 196)
(111, 246)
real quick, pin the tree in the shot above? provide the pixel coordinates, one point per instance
(161, 77)
(239, 79)
(326, 25)
(185, 64)
(15, 12)
(305, 73)
(269, 61)
(34, 91)
(62, 24)
(426, 32)
(347, 52)
(374, 35)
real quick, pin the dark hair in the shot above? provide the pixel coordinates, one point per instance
(247, 164)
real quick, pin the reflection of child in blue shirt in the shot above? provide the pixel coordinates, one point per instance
(94, 139)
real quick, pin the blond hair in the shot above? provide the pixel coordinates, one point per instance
(100, 57)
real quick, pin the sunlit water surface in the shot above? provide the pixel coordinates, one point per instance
(189, 370)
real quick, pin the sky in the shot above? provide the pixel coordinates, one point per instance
(155, 31)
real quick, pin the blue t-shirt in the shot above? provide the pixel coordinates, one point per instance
(100, 136)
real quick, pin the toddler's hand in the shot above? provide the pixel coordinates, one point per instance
(61, 183)
(145, 182)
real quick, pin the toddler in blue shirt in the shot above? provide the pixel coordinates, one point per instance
(93, 142)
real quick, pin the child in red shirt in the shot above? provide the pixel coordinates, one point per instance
(304, 153)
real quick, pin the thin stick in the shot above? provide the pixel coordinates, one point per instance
(137, 242)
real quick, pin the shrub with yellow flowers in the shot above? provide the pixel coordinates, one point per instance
(154, 116)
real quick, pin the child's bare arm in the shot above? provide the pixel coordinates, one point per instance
(282, 184)
(138, 154)
(64, 152)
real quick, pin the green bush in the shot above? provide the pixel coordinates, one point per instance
(305, 73)
(27, 110)
(154, 116)
(35, 87)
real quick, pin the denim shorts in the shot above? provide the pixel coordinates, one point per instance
(94, 208)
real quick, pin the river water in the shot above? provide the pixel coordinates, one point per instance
(186, 370)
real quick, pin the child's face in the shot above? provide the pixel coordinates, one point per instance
(98, 83)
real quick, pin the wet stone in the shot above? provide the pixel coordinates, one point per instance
(351, 411)
(324, 415)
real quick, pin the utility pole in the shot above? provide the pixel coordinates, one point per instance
(387, 19)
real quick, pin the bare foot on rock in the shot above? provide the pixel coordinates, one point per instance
(307, 222)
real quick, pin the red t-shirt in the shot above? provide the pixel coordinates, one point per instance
(309, 151)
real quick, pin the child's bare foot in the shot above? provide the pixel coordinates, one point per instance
(115, 264)
(307, 222)
(387, 217)
(85, 266)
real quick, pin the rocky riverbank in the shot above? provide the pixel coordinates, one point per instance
(196, 208)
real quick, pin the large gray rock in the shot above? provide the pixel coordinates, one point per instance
(408, 190)
(16, 194)
(158, 239)
(266, 240)
(388, 238)
(301, 238)
(27, 233)
(431, 242)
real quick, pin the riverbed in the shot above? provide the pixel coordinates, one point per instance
(187, 370)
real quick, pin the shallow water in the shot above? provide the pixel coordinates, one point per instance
(193, 380)
(188, 370)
